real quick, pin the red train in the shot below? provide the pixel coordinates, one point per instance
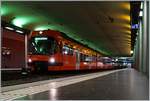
(51, 50)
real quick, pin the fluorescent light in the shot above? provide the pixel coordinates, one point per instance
(35, 48)
(41, 38)
(141, 13)
(85, 63)
(33, 44)
(141, 5)
(19, 31)
(40, 32)
(136, 39)
(9, 28)
(131, 51)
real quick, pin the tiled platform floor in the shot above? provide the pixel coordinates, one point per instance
(122, 85)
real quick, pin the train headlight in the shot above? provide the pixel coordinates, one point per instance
(65, 52)
(29, 60)
(52, 60)
(85, 63)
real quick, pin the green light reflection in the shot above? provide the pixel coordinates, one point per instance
(45, 27)
(23, 20)
(4, 11)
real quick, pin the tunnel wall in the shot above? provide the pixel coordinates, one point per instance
(14, 43)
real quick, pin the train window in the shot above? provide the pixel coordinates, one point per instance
(82, 57)
(88, 58)
(65, 50)
(60, 47)
(43, 45)
(56, 46)
(93, 58)
(100, 59)
(71, 51)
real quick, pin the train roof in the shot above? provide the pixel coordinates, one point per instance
(56, 33)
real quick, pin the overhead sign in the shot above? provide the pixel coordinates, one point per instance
(135, 26)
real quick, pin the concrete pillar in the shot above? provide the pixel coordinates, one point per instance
(136, 53)
(0, 56)
(142, 43)
(144, 38)
(148, 40)
(25, 69)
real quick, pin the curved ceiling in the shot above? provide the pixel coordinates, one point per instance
(103, 26)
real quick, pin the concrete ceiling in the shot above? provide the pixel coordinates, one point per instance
(104, 26)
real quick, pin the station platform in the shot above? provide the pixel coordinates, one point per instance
(122, 84)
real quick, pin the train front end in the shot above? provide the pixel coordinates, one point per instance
(43, 51)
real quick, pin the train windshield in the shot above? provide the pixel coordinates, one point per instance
(42, 45)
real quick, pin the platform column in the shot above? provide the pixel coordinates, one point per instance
(145, 37)
(0, 56)
(141, 54)
(144, 40)
(25, 69)
(26, 50)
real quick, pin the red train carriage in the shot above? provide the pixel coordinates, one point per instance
(51, 50)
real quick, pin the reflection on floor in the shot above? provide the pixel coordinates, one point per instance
(123, 85)
(127, 84)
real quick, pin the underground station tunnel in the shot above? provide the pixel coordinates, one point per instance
(74, 50)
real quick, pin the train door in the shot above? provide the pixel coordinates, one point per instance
(90, 62)
(65, 56)
(77, 60)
